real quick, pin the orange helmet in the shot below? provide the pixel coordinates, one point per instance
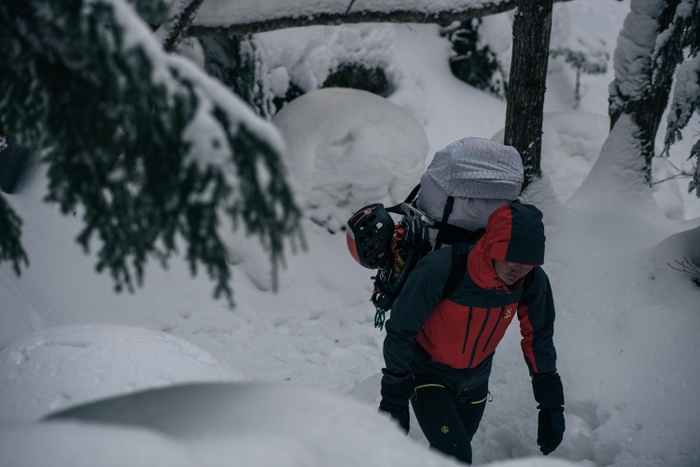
(369, 234)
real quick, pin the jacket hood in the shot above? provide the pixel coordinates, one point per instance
(514, 233)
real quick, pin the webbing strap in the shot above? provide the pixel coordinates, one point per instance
(445, 215)
(460, 250)
(452, 234)
(396, 209)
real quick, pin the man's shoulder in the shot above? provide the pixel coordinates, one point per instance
(536, 279)
(440, 256)
(540, 273)
(438, 261)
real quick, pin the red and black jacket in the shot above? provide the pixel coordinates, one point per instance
(456, 337)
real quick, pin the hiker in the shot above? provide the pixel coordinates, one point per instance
(438, 352)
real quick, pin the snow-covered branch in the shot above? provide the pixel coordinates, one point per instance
(220, 18)
(180, 24)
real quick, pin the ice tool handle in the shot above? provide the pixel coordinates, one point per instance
(413, 213)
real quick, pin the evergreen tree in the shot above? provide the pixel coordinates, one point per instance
(474, 62)
(655, 39)
(684, 41)
(582, 62)
(147, 148)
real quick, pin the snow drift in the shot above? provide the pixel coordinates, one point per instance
(69, 365)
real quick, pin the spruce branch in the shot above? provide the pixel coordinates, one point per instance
(10, 231)
(695, 182)
(151, 149)
(586, 63)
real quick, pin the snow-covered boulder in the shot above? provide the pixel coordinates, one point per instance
(69, 365)
(349, 148)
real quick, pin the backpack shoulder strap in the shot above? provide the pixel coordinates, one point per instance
(449, 203)
(396, 209)
(460, 250)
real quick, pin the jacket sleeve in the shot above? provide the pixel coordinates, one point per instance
(536, 315)
(417, 300)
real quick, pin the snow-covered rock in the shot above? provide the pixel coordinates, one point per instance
(69, 365)
(252, 424)
(349, 148)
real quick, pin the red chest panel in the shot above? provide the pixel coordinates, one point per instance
(463, 336)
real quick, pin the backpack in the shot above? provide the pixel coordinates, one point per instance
(463, 184)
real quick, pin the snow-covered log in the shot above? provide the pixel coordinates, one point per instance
(225, 18)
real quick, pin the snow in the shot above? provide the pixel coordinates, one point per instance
(308, 55)
(626, 329)
(215, 424)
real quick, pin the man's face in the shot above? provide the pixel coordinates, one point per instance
(510, 273)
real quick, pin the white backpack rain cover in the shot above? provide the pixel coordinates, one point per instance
(479, 173)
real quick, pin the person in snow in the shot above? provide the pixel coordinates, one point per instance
(438, 353)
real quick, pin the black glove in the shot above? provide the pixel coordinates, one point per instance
(398, 413)
(396, 389)
(549, 392)
(550, 429)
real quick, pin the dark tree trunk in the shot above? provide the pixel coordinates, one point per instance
(528, 73)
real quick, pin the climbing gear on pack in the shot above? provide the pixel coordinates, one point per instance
(371, 245)
(409, 243)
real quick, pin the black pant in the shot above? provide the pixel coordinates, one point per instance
(448, 419)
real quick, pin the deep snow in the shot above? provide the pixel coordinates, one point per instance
(626, 330)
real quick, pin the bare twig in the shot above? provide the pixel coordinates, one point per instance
(680, 173)
(181, 24)
(443, 18)
(673, 177)
(686, 267)
(349, 6)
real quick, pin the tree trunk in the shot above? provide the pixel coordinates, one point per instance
(528, 74)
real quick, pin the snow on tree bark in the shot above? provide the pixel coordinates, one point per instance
(236, 62)
(645, 63)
